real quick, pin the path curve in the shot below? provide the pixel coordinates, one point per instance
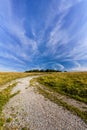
(31, 111)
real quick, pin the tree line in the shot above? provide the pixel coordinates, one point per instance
(43, 70)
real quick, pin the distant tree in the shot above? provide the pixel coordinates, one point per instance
(43, 70)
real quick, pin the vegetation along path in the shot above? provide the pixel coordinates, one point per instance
(29, 110)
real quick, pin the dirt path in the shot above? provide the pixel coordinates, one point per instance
(31, 111)
(70, 101)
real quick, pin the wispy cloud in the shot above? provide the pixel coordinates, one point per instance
(78, 67)
(60, 36)
(49, 35)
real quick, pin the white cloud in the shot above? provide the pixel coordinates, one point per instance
(60, 36)
(52, 65)
(58, 66)
(79, 52)
(78, 66)
(11, 57)
(15, 27)
(26, 48)
(66, 4)
(7, 69)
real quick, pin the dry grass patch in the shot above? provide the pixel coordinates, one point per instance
(8, 76)
(72, 84)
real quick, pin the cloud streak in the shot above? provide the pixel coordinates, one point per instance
(45, 36)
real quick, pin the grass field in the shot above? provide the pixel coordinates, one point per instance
(5, 94)
(73, 84)
(8, 76)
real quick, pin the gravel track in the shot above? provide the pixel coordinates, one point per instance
(31, 111)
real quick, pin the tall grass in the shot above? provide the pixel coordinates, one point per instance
(73, 84)
(4, 98)
(8, 76)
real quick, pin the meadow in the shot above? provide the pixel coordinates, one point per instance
(73, 84)
(8, 76)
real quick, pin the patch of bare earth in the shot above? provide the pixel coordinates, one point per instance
(29, 110)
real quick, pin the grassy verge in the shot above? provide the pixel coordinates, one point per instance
(71, 108)
(72, 84)
(49, 92)
(4, 98)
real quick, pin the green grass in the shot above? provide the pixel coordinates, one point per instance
(4, 98)
(73, 84)
(9, 120)
(15, 94)
(25, 128)
(71, 108)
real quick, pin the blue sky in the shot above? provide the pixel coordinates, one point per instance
(40, 34)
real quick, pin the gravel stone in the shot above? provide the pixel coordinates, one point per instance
(33, 112)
